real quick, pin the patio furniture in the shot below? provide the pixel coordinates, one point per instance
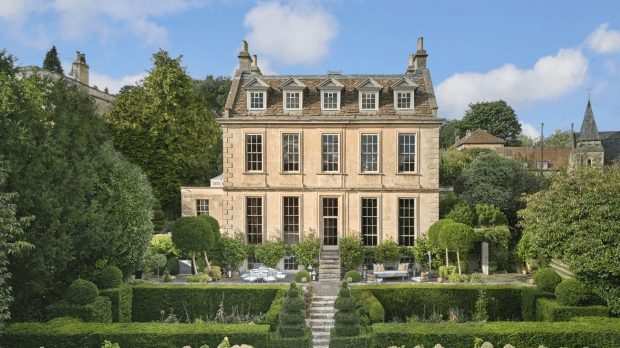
(271, 277)
(280, 275)
(391, 273)
(251, 278)
(242, 273)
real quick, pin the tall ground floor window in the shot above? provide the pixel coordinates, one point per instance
(254, 219)
(406, 221)
(290, 216)
(370, 221)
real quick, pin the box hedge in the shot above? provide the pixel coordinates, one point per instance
(529, 295)
(405, 300)
(586, 333)
(360, 341)
(121, 299)
(99, 311)
(373, 307)
(277, 341)
(199, 301)
(152, 335)
(552, 310)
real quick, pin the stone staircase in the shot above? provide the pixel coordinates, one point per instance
(322, 319)
(329, 265)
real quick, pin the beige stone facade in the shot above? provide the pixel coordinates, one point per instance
(333, 168)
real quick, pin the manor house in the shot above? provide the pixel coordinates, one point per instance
(334, 153)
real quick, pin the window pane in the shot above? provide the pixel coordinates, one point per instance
(370, 152)
(292, 100)
(406, 221)
(330, 153)
(253, 152)
(291, 220)
(404, 100)
(368, 101)
(330, 221)
(330, 100)
(406, 153)
(256, 100)
(290, 263)
(290, 152)
(202, 207)
(254, 218)
(369, 221)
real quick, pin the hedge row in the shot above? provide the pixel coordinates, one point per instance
(276, 307)
(152, 335)
(361, 341)
(587, 332)
(552, 310)
(422, 300)
(374, 309)
(276, 341)
(529, 295)
(199, 301)
(96, 312)
(121, 299)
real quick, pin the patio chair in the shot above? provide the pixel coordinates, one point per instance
(258, 265)
(251, 278)
(242, 273)
(279, 274)
(271, 277)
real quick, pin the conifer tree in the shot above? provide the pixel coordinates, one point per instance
(291, 322)
(347, 319)
(158, 218)
(52, 62)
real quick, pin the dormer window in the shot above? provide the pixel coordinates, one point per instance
(369, 91)
(257, 92)
(331, 94)
(404, 90)
(293, 95)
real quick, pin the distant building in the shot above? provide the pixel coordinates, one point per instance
(480, 138)
(536, 158)
(79, 76)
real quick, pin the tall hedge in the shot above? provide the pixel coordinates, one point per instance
(592, 333)
(373, 307)
(529, 296)
(152, 335)
(405, 300)
(98, 311)
(121, 300)
(199, 300)
(552, 310)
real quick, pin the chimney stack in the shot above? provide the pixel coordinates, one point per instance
(245, 61)
(254, 68)
(411, 67)
(420, 55)
(79, 69)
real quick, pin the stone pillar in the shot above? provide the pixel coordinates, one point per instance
(485, 258)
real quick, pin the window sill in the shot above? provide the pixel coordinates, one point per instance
(366, 111)
(254, 173)
(291, 173)
(412, 173)
(330, 112)
(252, 111)
(328, 173)
(370, 173)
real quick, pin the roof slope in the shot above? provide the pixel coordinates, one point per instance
(479, 137)
(588, 132)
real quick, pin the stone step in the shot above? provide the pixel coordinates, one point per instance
(329, 316)
(320, 304)
(330, 276)
(321, 323)
(329, 271)
(320, 335)
(330, 257)
(322, 310)
(315, 346)
(316, 343)
(330, 280)
(324, 298)
(321, 329)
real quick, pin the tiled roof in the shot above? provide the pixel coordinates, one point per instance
(555, 155)
(588, 132)
(479, 137)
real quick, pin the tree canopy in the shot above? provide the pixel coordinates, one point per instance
(453, 162)
(166, 129)
(576, 220)
(191, 235)
(52, 62)
(458, 237)
(496, 118)
(558, 138)
(448, 132)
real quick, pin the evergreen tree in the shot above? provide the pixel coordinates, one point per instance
(158, 218)
(291, 322)
(496, 118)
(52, 62)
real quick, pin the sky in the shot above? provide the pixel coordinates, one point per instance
(544, 58)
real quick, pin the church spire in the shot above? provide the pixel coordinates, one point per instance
(588, 132)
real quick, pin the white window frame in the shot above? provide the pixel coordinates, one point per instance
(245, 153)
(361, 157)
(284, 101)
(361, 108)
(415, 218)
(378, 217)
(299, 154)
(249, 101)
(339, 153)
(411, 102)
(416, 157)
(199, 205)
(262, 215)
(299, 216)
(339, 102)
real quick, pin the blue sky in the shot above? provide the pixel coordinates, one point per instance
(539, 56)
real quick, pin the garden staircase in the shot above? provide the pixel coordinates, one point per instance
(322, 319)
(329, 265)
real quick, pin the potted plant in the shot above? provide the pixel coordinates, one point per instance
(386, 251)
(307, 250)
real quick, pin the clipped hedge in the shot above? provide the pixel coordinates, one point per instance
(82, 292)
(373, 307)
(199, 300)
(304, 341)
(276, 307)
(111, 277)
(98, 311)
(302, 274)
(173, 265)
(354, 275)
(121, 299)
(585, 333)
(571, 292)
(152, 335)
(552, 310)
(360, 341)
(405, 300)
(547, 279)
(529, 295)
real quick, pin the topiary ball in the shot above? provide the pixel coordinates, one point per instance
(571, 292)
(354, 275)
(302, 274)
(82, 292)
(173, 265)
(111, 278)
(546, 279)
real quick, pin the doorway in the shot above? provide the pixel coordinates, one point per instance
(330, 221)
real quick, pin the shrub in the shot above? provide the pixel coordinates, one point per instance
(111, 277)
(98, 311)
(270, 252)
(158, 218)
(347, 318)
(307, 250)
(121, 301)
(302, 274)
(354, 275)
(386, 251)
(547, 279)
(464, 214)
(213, 225)
(376, 313)
(82, 292)
(203, 278)
(167, 276)
(302, 341)
(489, 215)
(192, 234)
(373, 307)
(552, 310)
(291, 322)
(162, 244)
(233, 250)
(529, 296)
(199, 300)
(157, 262)
(156, 335)
(351, 250)
(271, 317)
(571, 292)
(173, 266)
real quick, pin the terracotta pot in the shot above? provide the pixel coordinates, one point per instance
(524, 271)
(440, 280)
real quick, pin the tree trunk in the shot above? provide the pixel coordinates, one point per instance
(458, 258)
(194, 262)
(206, 259)
(447, 258)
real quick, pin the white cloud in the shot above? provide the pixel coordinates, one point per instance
(114, 85)
(551, 77)
(529, 130)
(298, 33)
(604, 41)
(77, 19)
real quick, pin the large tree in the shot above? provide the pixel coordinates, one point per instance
(453, 162)
(558, 138)
(52, 62)
(90, 204)
(497, 118)
(577, 220)
(448, 132)
(166, 129)
(499, 181)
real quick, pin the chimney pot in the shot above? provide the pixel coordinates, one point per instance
(255, 60)
(245, 45)
(421, 44)
(411, 59)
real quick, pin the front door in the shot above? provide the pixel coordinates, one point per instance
(330, 221)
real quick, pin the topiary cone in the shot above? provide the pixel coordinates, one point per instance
(292, 322)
